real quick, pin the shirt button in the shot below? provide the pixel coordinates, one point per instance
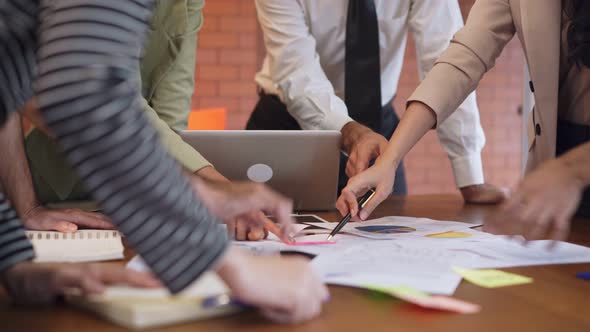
(531, 86)
(538, 129)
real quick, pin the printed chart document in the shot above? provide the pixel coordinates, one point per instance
(89, 245)
(394, 227)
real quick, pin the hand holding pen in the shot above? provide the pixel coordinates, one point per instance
(361, 204)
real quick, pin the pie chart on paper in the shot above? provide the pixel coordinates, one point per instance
(385, 229)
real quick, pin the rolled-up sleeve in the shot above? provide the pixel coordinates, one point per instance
(295, 67)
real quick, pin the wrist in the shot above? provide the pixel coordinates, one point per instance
(388, 160)
(578, 176)
(211, 174)
(231, 267)
(351, 133)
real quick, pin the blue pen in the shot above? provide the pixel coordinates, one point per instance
(222, 300)
(583, 275)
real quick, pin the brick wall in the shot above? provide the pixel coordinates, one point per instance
(227, 59)
(230, 52)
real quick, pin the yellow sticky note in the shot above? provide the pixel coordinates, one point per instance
(449, 235)
(492, 278)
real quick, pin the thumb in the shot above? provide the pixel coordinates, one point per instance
(362, 162)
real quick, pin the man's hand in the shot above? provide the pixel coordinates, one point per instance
(64, 220)
(542, 205)
(484, 194)
(362, 145)
(249, 227)
(228, 200)
(30, 283)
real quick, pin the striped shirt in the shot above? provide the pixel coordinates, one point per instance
(80, 59)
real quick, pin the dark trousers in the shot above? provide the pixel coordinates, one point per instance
(570, 135)
(271, 114)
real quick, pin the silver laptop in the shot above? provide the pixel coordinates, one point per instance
(301, 164)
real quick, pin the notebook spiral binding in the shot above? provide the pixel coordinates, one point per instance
(88, 235)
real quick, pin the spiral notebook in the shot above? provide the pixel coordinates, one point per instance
(136, 308)
(89, 245)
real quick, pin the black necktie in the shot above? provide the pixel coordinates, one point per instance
(363, 70)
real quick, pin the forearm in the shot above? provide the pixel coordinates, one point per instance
(14, 245)
(415, 123)
(211, 174)
(15, 175)
(577, 161)
(185, 154)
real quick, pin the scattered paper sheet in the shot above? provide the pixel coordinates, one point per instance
(500, 251)
(439, 302)
(492, 278)
(388, 264)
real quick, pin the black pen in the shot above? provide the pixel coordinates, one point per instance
(361, 204)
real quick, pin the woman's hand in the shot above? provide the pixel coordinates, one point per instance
(380, 176)
(249, 227)
(285, 289)
(542, 205)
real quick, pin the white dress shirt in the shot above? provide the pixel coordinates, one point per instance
(304, 66)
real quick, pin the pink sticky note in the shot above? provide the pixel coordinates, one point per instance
(447, 303)
(310, 243)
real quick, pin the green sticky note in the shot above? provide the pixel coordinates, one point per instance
(492, 278)
(400, 291)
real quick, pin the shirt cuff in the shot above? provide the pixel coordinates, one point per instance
(335, 121)
(468, 170)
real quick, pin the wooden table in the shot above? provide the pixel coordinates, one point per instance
(555, 302)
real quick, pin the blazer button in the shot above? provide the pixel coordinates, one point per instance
(531, 86)
(538, 130)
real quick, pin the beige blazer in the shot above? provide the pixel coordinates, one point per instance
(490, 26)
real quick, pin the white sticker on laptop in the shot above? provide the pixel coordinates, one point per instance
(259, 173)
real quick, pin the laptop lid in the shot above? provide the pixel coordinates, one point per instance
(300, 164)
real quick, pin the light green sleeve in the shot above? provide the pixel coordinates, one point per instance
(169, 60)
(167, 74)
(178, 149)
